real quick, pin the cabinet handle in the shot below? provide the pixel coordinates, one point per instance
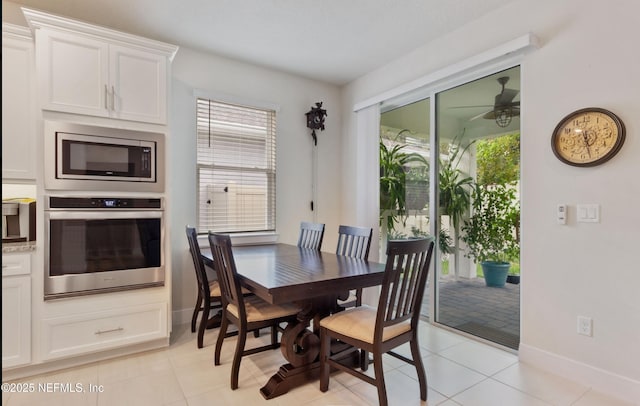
(113, 98)
(106, 96)
(108, 331)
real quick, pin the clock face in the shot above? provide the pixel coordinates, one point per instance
(588, 137)
(315, 120)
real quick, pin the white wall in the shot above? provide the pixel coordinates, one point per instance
(295, 96)
(588, 57)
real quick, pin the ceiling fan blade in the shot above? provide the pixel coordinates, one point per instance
(506, 96)
(480, 115)
(471, 107)
(490, 115)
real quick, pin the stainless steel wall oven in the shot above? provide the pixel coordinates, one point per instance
(102, 244)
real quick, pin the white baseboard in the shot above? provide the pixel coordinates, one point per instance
(600, 380)
(182, 316)
(64, 363)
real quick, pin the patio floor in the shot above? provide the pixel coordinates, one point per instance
(487, 312)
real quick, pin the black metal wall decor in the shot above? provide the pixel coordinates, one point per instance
(315, 120)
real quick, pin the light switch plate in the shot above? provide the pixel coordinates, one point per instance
(561, 214)
(588, 213)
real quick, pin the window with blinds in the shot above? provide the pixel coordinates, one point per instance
(236, 167)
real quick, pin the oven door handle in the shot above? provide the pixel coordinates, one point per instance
(101, 214)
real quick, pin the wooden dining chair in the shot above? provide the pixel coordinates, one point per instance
(209, 297)
(393, 323)
(354, 242)
(247, 313)
(311, 235)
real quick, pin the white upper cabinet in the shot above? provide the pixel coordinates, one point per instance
(18, 104)
(85, 69)
(73, 73)
(138, 84)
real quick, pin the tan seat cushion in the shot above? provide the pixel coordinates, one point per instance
(214, 290)
(360, 322)
(257, 309)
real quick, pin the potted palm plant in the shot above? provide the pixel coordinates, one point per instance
(398, 171)
(491, 231)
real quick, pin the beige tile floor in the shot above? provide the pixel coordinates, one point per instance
(459, 372)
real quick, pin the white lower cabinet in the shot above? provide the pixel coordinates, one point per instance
(101, 330)
(16, 310)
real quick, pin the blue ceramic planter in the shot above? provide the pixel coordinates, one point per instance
(495, 273)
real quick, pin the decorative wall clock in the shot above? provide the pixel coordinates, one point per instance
(588, 137)
(315, 120)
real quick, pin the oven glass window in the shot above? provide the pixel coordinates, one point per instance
(86, 246)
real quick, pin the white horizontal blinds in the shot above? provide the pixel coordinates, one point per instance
(236, 167)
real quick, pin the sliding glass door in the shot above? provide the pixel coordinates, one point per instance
(476, 154)
(478, 128)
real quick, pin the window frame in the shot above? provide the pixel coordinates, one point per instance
(251, 236)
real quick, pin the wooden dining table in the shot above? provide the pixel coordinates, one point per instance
(315, 280)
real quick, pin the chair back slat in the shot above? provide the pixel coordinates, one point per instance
(198, 264)
(354, 241)
(394, 280)
(311, 235)
(404, 282)
(411, 279)
(225, 267)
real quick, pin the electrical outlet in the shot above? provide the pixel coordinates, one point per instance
(585, 326)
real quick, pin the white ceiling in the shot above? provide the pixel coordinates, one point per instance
(334, 41)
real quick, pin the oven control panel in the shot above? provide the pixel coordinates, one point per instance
(104, 203)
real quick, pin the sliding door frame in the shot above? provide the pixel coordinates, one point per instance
(430, 91)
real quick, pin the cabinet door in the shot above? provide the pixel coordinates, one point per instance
(73, 73)
(16, 320)
(18, 118)
(138, 84)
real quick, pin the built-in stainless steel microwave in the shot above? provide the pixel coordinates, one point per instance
(80, 157)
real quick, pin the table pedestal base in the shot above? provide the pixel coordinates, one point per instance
(301, 347)
(289, 377)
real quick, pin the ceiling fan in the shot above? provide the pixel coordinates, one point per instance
(504, 108)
